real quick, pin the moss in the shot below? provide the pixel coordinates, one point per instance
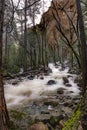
(53, 120)
(17, 115)
(73, 122)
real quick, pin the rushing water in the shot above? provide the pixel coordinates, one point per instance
(28, 90)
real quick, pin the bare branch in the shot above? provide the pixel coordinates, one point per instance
(28, 6)
(60, 29)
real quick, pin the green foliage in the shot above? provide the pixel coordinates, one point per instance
(73, 122)
(17, 115)
(53, 120)
(13, 126)
(11, 63)
(15, 69)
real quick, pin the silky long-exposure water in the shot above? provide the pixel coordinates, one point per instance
(35, 89)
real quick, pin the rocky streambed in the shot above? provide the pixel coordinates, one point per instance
(50, 111)
(50, 99)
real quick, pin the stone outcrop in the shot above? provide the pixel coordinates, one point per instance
(61, 15)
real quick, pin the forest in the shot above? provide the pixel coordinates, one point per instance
(43, 65)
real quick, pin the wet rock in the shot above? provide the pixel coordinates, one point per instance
(45, 121)
(68, 103)
(49, 70)
(72, 106)
(56, 66)
(42, 78)
(78, 79)
(76, 98)
(45, 112)
(76, 101)
(79, 84)
(71, 92)
(38, 126)
(62, 69)
(46, 74)
(51, 82)
(72, 71)
(54, 120)
(61, 123)
(68, 98)
(51, 102)
(65, 80)
(68, 85)
(31, 77)
(69, 76)
(60, 91)
(15, 83)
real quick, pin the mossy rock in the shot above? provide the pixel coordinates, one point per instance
(17, 115)
(55, 120)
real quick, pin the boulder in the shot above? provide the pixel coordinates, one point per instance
(48, 70)
(60, 90)
(15, 83)
(31, 77)
(51, 82)
(38, 126)
(65, 80)
(71, 92)
(68, 85)
(61, 123)
(42, 78)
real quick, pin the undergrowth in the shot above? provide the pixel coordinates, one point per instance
(73, 122)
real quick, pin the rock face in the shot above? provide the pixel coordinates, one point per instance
(57, 29)
(61, 15)
(38, 126)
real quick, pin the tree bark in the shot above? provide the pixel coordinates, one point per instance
(6, 49)
(83, 43)
(4, 118)
(25, 38)
(84, 64)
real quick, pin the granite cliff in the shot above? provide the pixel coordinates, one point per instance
(61, 16)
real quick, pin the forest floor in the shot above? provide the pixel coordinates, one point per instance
(49, 97)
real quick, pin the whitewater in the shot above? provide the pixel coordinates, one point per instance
(37, 89)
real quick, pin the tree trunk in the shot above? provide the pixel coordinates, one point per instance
(6, 49)
(4, 118)
(25, 38)
(84, 64)
(83, 43)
